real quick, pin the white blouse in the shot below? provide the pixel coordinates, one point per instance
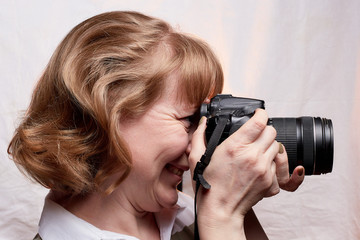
(57, 223)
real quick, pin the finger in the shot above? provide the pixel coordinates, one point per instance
(198, 145)
(282, 166)
(274, 189)
(295, 180)
(267, 139)
(271, 152)
(252, 129)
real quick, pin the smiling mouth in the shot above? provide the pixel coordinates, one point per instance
(174, 170)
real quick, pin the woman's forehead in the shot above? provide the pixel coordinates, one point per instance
(174, 94)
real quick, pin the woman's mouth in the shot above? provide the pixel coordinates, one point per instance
(174, 170)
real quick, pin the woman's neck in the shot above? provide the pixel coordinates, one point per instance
(111, 214)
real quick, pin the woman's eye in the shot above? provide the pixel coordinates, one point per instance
(187, 121)
(194, 119)
(190, 120)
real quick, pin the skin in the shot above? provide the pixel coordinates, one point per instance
(163, 145)
(244, 169)
(159, 142)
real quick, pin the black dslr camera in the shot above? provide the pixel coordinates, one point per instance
(308, 141)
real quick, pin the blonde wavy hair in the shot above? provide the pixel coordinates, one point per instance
(109, 67)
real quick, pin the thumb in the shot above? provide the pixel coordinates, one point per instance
(198, 145)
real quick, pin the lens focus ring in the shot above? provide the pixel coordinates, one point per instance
(286, 134)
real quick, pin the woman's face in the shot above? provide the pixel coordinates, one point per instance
(159, 142)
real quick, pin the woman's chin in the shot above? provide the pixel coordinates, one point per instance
(168, 198)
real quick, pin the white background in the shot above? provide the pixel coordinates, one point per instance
(301, 57)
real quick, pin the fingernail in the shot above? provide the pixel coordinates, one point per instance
(281, 148)
(203, 118)
(300, 172)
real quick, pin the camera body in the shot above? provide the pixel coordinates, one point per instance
(308, 140)
(239, 110)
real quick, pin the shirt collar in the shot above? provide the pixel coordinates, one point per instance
(55, 219)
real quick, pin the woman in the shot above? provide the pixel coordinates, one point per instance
(108, 132)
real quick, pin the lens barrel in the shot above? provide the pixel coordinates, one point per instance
(308, 141)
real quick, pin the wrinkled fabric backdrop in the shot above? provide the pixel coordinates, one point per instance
(301, 57)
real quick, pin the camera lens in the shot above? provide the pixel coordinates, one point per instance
(308, 141)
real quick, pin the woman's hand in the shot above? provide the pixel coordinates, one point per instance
(246, 167)
(282, 172)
